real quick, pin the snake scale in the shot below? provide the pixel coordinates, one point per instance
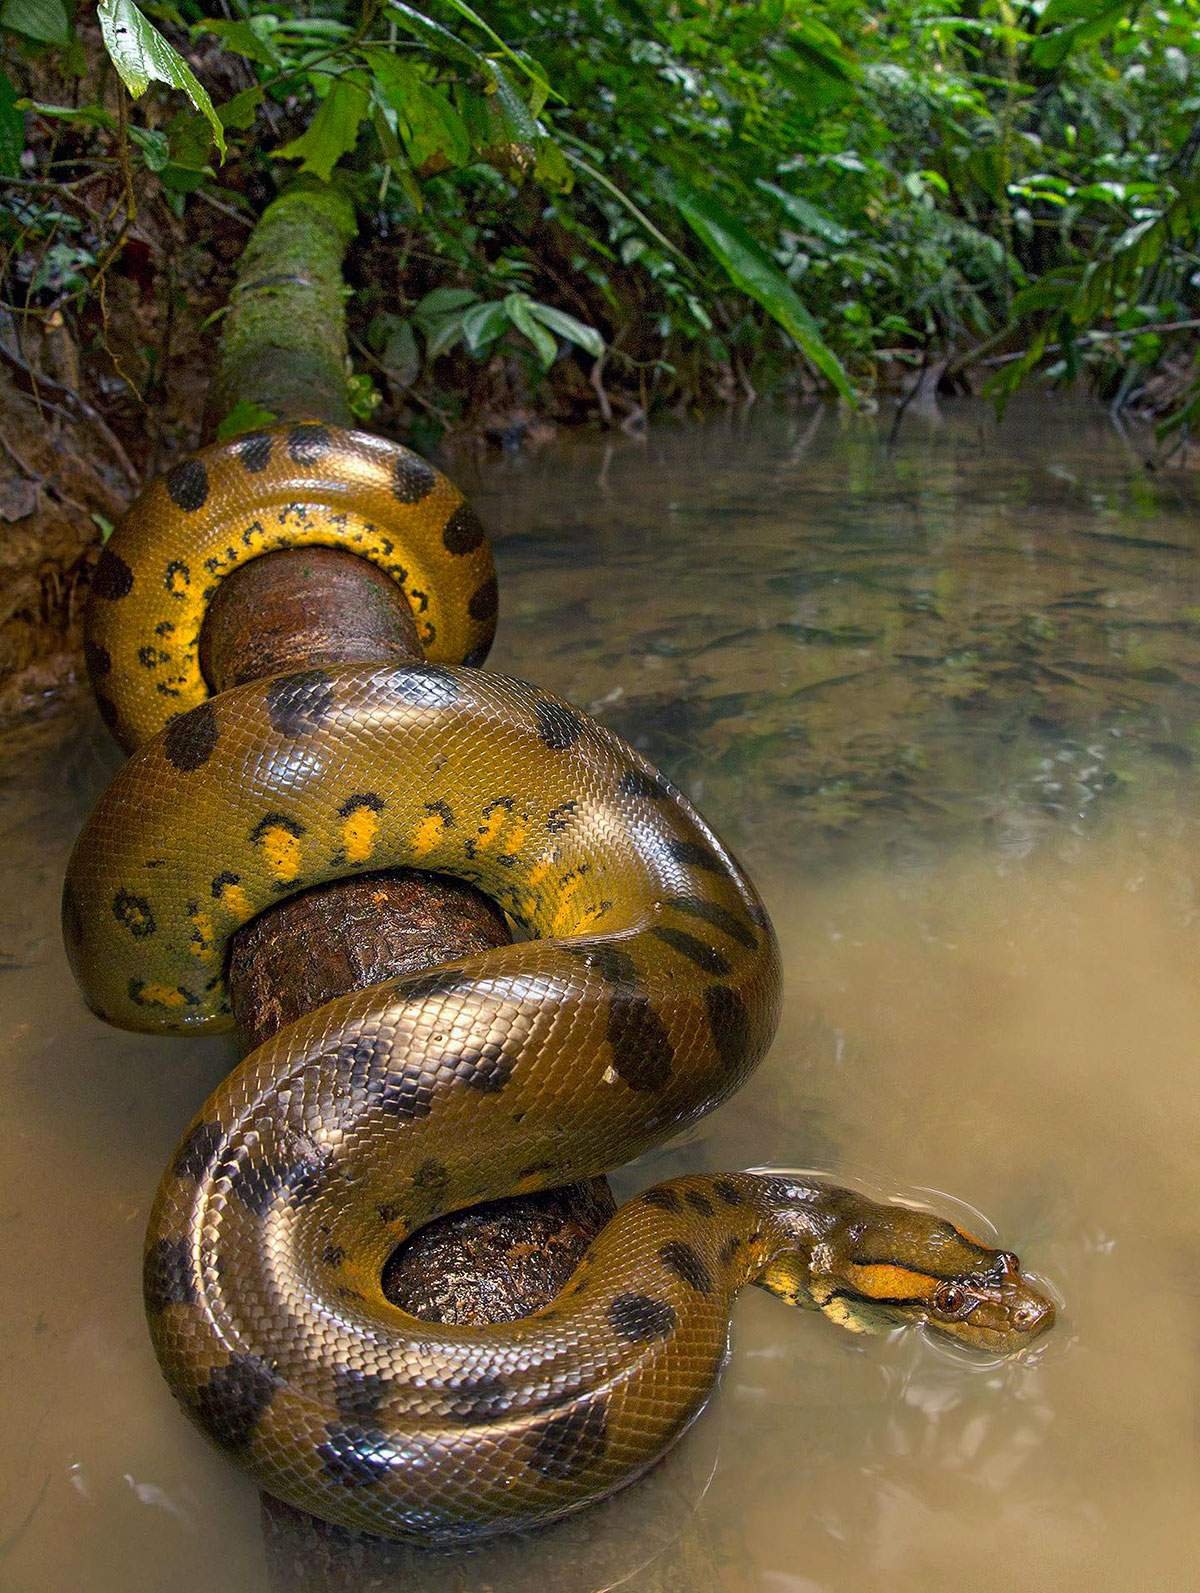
(646, 992)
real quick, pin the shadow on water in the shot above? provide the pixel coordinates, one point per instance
(942, 698)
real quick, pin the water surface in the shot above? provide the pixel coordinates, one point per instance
(942, 698)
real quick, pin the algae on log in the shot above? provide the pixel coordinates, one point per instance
(283, 344)
(284, 349)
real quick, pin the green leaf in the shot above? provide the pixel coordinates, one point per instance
(245, 415)
(240, 111)
(156, 150)
(750, 268)
(806, 216)
(521, 62)
(12, 130)
(243, 38)
(401, 358)
(332, 131)
(439, 302)
(518, 307)
(429, 123)
(483, 324)
(85, 115)
(141, 56)
(584, 337)
(515, 117)
(435, 36)
(45, 21)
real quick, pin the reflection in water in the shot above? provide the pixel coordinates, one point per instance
(942, 700)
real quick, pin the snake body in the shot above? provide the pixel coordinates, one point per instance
(647, 992)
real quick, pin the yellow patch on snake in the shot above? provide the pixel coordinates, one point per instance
(282, 851)
(160, 996)
(359, 832)
(202, 936)
(429, 832)
(881, 1281)
(235, 902)
(494, 820)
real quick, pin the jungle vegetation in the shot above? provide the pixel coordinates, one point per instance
(616, 205)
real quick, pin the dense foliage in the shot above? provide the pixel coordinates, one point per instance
(677, 199)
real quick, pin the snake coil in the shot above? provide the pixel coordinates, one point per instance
(647, 991)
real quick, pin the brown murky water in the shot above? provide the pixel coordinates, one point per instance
(944, 700)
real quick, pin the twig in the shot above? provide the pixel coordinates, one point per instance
(39, 383)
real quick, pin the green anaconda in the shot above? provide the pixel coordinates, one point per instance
(646, 992)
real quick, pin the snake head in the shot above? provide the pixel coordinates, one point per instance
(880, 1265)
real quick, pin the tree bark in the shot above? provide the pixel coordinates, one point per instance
(283, 348)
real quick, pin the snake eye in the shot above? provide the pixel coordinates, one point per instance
(953, 1302)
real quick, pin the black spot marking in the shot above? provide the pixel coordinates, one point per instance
(419, 987)
(637, 783)
(485, 601)
(333, 1255)
(432, 1175)
(757, 914)
(425, 686)
(358, 1395)
(168, 1277)
(254, 452)
(135, 913)
(299, 704)
(112, 577)
(361, 799)
(307, 443)
(560, 817)
(706, 957)
(405, 1093)
(463, 532)
(355, 1456)
(191, 739)
(72, 918)
(221, 880)
(615, 967)
(685, 1262)
(276, 821)
(719, 917)
(728, 1191)
(198, 1151)
(567, 1445)
(699, 1202)
(486, 1398)
(388, 1212)
(730, 1249)
(642, 1052)
(177, 577)
(663, 1199)
(729, 1020)
(638, 1318)
(412, 478)
(696, 856)
(231, 1404)
(487, 1071)
(98, 659)
(259, 1184)
(557, 726)
(187, 484)
(477, 655)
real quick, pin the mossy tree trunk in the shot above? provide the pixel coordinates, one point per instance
(284, 350)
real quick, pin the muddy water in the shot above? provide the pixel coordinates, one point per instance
(943, 699)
